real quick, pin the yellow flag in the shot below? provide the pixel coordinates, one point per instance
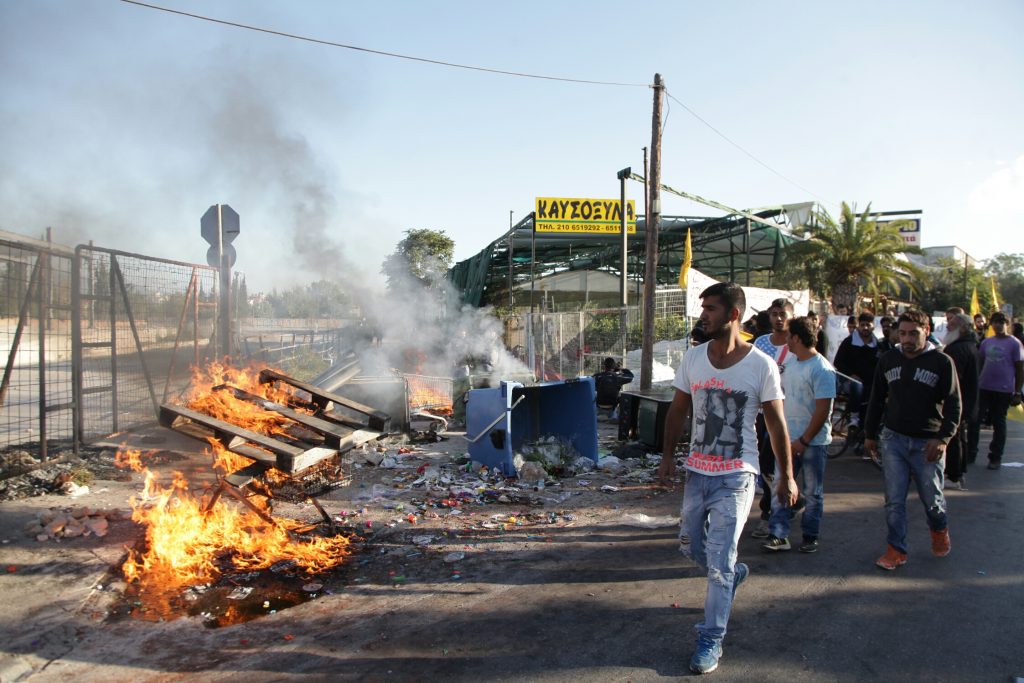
(684, 270)
(975, 306)
(995, 307)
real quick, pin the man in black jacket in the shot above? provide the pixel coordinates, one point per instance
(916, 388)
(856, 357)
(962, 347)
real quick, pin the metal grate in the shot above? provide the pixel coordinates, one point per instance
(35, 341)
(141, 323)
(427, 393)
(312, 481)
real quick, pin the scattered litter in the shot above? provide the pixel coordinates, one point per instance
(1013, 464)
(73, 490)
(423, 540)
(454, 557)
(608, 488)
(532, 471)
(611, 464)
(312, 587)
(240, 593)
(647, 522)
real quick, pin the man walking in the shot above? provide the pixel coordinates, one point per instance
(962, 347)
(809, 384)
(1002, 375)
(723, 384)
(856, 358)
(775, 347)
(916, 389)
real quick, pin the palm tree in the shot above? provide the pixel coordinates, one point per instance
(845, 257)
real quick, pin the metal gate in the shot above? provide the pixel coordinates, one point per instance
(35, 336)
(138, 324)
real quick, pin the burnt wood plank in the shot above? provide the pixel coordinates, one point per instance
(377, 419)
(331, 432)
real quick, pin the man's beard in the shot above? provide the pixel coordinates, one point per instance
(951, 336)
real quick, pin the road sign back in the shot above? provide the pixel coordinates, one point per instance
(220, 217)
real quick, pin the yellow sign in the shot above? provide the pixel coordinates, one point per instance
(590, 216)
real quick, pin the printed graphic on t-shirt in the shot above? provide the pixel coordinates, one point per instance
(717, 440)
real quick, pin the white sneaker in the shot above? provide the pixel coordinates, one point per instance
(761, 530)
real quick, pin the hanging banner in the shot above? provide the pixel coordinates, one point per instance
(587, 216)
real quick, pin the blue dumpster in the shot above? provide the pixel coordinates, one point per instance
(501, 419)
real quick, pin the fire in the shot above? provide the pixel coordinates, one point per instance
(206, 397)
(423, 393)
(187, 545)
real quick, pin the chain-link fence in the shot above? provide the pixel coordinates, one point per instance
(35, 340)
(570, 344)
(139, 323)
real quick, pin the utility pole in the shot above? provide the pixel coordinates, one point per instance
(511, 238)
(651, 236)
(623, 176)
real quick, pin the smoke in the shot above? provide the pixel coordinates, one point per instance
(427, 331)
(250, 147)
(132, 158)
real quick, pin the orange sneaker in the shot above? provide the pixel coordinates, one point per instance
(893, 558)
(940, 543)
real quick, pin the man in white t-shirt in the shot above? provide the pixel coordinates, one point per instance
(722, 383)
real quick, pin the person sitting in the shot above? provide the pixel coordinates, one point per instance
(609, 383)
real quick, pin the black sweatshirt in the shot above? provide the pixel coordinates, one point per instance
(920, 396)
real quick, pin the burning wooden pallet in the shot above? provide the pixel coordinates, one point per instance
(297, 461)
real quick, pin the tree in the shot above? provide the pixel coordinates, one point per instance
(851, 256)
(1008, 271)
(424, 256)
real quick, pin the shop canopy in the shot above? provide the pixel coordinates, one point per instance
(745, 247)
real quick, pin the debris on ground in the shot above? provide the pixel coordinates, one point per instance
(73, 522)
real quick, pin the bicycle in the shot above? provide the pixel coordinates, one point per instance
(842, 413)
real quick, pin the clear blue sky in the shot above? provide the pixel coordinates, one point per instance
(123, 124)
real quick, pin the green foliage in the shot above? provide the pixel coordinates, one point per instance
(305, 365)
(850, 256)
(320, 299)
(424, 256)
(948, 283)
(1008, 271)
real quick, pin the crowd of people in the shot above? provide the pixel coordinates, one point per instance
(759, 416)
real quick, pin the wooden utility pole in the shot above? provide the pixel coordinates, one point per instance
(651, 236)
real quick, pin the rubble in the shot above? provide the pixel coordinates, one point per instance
(83, 521)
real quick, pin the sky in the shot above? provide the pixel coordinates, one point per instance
(122, 124)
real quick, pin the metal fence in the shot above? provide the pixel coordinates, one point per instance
(302, 348)
(138, 324)
(570, 344)
(35, 336)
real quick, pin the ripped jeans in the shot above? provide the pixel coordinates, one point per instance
(714, 511)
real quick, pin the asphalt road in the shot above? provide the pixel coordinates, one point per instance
(593, 601)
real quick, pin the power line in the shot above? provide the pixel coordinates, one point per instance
(396, 55)
(742, 149)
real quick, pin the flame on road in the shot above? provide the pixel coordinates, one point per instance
(186, 544)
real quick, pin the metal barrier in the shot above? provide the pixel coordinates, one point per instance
(138, 323)
(572, 344)
(35, 336)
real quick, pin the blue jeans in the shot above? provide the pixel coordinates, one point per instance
(714, 511)
(902, 460)
(812, 467)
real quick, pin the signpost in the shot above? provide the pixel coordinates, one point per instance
(219, 226)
